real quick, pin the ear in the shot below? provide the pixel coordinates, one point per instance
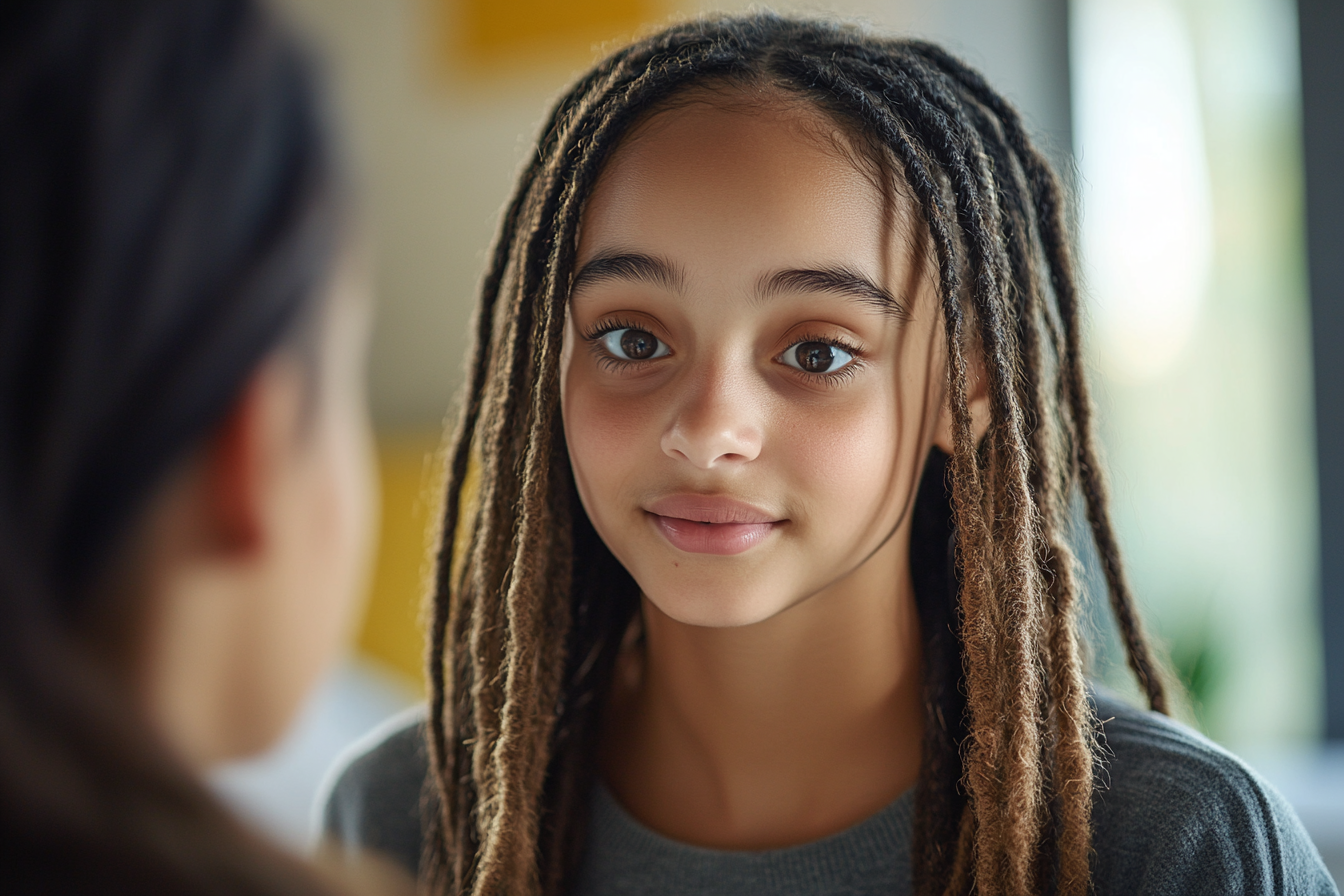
(245, 457)
(209, 541)
(977, 400)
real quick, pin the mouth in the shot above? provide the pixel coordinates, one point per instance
(708, 524)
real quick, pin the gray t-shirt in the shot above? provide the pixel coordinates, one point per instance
(1174, 814)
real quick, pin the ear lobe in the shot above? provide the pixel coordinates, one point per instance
(977, 401)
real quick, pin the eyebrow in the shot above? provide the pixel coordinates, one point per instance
(841, 281)
(629, 266)
(656, 271)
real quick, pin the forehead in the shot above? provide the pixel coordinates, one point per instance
(709, 177)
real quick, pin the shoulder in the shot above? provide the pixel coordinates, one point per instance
(1176, 813)
(371, 799)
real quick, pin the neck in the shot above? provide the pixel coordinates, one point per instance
(776, 733)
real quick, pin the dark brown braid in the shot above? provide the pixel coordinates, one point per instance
(1050, 213)
(529, 612)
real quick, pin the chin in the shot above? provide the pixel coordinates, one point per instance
(709, 610)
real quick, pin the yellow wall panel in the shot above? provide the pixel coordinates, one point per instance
(411, 476)
(494, 31)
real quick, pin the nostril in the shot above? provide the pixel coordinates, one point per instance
(710, 452)
(707, 437)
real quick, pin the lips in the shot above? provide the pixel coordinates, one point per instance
(706, 524)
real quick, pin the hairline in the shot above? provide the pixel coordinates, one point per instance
(831, 130)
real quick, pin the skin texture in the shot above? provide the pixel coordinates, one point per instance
(776, 698)
(247, 567)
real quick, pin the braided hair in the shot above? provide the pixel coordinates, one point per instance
(529, 607)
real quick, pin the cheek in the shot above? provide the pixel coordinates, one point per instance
(354, 504)
(850, 449)
(330, 577)
(854, 466)
(607, 435)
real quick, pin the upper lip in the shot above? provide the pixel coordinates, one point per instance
(710, 509)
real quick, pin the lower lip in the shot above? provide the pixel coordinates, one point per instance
(711, 538)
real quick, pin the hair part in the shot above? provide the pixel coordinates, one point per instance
(530, 608)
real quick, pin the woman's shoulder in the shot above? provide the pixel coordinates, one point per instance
(373, 795)
(1176, 813)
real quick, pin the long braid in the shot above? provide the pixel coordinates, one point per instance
(530, 608)
(448, 624)
(1073, 762)
(1071, 770)
(1068, 715)
(1072, 767)
(1000, 813)
(488, 793)
(442, 759)
(1015, 690)
(1051, 214)
(1015, 830)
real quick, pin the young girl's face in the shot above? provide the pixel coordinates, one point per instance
(751, 376)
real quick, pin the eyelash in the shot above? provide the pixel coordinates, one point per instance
(594, 334)
(828, 379)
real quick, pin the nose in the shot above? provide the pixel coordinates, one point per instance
(716, 425)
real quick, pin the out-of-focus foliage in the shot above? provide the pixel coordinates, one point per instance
(1186, 123)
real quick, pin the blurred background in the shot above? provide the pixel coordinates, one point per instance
(1178, 125)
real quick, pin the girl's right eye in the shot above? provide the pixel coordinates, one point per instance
(631, 344)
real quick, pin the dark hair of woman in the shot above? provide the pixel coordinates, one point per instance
(531, 608)
(168, 219)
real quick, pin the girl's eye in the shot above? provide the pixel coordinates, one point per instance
(630, 344)
(817, 357)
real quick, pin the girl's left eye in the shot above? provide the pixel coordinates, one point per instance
(817, 357)
(632, 344)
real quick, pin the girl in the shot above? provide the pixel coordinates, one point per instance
(184, 454)
(754, 574)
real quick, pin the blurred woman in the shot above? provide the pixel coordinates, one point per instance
(185, 466)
